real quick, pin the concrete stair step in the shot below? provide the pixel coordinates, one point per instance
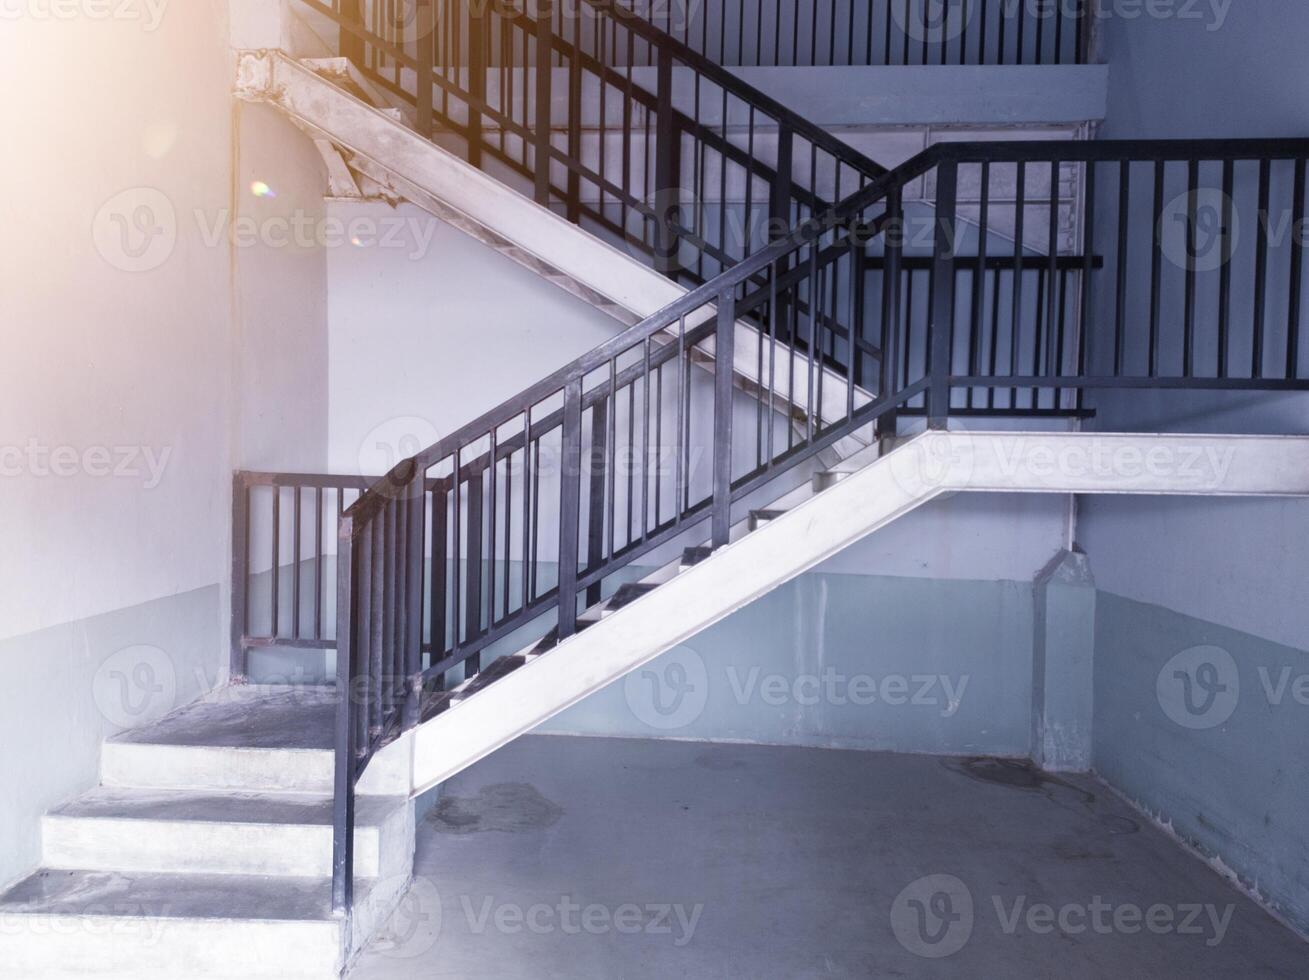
(167, 831)
(758, 518)
(78, 923)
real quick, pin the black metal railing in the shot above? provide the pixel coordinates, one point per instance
(680, 162)
(1007, 278)
(778, 33)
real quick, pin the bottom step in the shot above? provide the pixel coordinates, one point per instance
(64, 924)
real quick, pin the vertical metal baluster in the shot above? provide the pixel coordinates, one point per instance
(892, 249)
(491, 537)
(473, 559)
(979, 280)
(1085, 328)
(509, 531)
(645, 443)
(1120, 277)
(1052, 248)
(377, 629)
(723, 390)
(439, 578)
(240, 626)
(318, 563)
(343, 783)
(595, 499)
(527, 506)
(277, 557)
(1225, 273)
(680, 494)
(1156, 265)
(1297, 272)
(457, 571)
(570, 502)
(295, 562)
(1188, 300)
(544, 35)
(1261, 271)
(1016, 313)
(941, 334)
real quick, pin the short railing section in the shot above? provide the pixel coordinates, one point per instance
(967, 281)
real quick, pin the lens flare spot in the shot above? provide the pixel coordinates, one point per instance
(260, 189)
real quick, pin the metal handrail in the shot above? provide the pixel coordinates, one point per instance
(935, 366)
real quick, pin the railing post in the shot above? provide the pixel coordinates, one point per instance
(724, 346)
(889, 386)
(412, 655)
(596, 496)
(352, 45)
(570, 497)
(473, 574)
(343, 804)
(544, 117)
(941, 329)
(425, 52)
(240, 576)
(476, 79)
(667, 189)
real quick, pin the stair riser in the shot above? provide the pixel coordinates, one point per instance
(202, 767)
(112, 948)
(203, 848)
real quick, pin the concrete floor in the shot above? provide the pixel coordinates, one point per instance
(632, 859)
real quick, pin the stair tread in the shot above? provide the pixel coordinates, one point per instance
(627, 593)
(246, 716)
(283, 809)
(693, 556)
(154, 895)
(767, 515)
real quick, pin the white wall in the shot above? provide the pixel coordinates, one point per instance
(96, 356)
(116, 317)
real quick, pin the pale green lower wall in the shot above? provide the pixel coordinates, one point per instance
(68, 687)
(1207, 728)
(871, 662)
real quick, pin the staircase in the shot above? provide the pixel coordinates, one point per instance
(768, 400)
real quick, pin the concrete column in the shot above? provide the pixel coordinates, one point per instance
(1062, 664)
(261, 24)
